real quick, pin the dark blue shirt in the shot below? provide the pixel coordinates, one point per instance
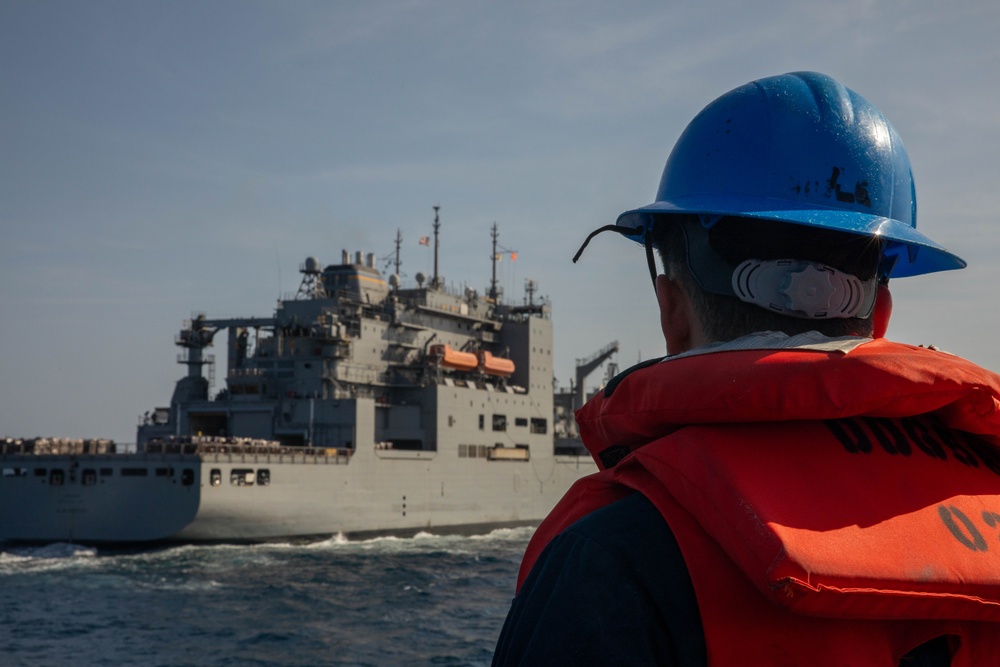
(612, 589)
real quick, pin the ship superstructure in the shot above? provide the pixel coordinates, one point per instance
(356, 358)
(360, 406)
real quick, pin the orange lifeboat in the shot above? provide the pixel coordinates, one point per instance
(452, 358)
(494, 365)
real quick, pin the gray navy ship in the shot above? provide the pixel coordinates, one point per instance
(359, 407)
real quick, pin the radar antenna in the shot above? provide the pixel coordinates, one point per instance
(311, 286)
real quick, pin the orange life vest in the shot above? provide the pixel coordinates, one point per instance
(833, 509)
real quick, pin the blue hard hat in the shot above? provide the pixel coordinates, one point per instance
(803, 149)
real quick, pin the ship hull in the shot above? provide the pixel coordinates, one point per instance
(240, 497)
(101, 498)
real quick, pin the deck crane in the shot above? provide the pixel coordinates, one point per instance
(585, 367)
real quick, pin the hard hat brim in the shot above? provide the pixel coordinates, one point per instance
(917, 253)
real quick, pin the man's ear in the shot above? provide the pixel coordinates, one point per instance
(675, 314)
(883, 311)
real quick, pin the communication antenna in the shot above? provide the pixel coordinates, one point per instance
(393, 258)
(494, 258)
(277, 260)
(530, 287)
(399, 242)
(436, 280)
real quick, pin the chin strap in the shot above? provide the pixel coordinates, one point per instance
(634, 233)
(606, 228)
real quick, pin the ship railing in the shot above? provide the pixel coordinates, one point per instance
(301, 455)
(213, 450)
(234, 449)
(173, 448)
(13, 448)
(59, 446)
(196, 444)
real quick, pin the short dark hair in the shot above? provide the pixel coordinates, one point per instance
(725, 318)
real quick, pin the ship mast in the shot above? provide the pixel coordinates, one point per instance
(494, 290)
(493, 281)
(399, 242)
(436, 281)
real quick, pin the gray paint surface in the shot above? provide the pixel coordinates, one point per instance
(336, 417)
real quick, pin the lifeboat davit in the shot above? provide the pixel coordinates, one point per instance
(494, 365)
(449, 357)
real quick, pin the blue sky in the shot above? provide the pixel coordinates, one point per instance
(162, 159)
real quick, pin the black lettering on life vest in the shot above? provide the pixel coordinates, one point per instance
(953, 442)
(901, 436)
(854, 442)
(974, 540)
(991, 518)
(985, 452)
(921, 435)
(889, 435)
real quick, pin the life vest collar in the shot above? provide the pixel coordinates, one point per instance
(877, 379)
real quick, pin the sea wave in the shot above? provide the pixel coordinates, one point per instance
(44, 557)
(425, 599)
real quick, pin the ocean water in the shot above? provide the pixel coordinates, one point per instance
(425, 600)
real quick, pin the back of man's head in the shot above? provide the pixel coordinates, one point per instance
(736, 240)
